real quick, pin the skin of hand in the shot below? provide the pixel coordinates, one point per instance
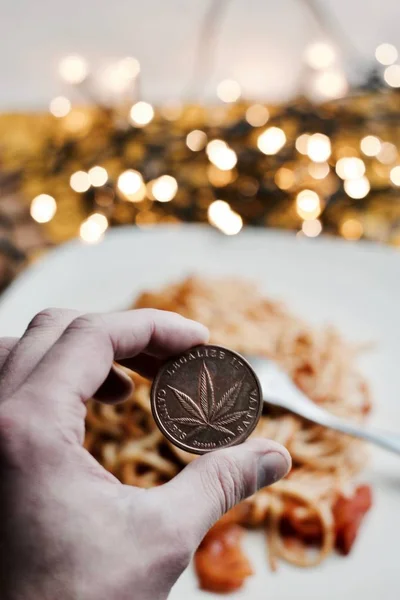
(68, 529)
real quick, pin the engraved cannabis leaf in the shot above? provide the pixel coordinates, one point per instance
(207, 412)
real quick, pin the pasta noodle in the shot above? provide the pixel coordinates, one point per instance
(298, 512)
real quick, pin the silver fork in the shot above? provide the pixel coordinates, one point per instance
(279, 390)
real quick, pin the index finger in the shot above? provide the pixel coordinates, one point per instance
(79, 362)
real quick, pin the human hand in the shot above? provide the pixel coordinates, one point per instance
(68, 529)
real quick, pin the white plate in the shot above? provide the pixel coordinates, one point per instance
(356, 287)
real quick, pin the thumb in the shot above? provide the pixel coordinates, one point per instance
(212, 484)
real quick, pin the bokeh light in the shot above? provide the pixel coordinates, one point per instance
(73, 69)
(271, 140)
(395, 175)
(221, 155)
(219, 178)
(92, 229)
(370, 145)
(387, 154)
(129, 182)
(43, 208)
(319, 55)
(171, 111)
(311, 228)
(386, 54)
(164, 188)
(351, 229)
(60, 106)
(98, 176)
(79, 181)
(118, 76)
(318, 170)
(140, 193)
(350, 168)
(141, 114)
(345, 151)
(319, 147)
(357, 188)
(100, 220)
(130, 67)
(77, 121)
(257, 115)
(224, 218)
(392, 76)
(217, 209)
(214, 146)
(228, 90)
(196, 140)
(284, 178)
(330, 84)
(308, 204)
(302, 143)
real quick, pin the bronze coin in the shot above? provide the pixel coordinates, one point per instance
(206, 398)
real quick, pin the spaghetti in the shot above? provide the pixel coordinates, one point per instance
(317, 507)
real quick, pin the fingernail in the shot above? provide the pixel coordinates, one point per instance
(271, 468)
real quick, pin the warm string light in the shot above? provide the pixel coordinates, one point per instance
(76, 121)
(100, 220)
(118, 77)
(308, 204)
(139, 195)
(350, 168)
(224, 218)
(345, 152)
(80, 181)
(130, 184)
(164, 188)
(214, 146)
(370, 145)
(172, 111)
(357, 188)
(271, 140)
(301, 143)
(43, 208)
(73, 69)
(395, 175)
(386, 54)
(387, 154)
(229, 90)
(311, 228)
(196, 140)
(330, 84)
(380, 170)
(93, 228)
(284, 178)
(60, 106)
(392, 76)
(320, 55)
(257, 115)
(318, 170)
(351, 229)
(318, 147)
(141, 114)
(219, 178)
(98, 176)
(221, 155)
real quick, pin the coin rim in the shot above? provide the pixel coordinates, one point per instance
(180, 444)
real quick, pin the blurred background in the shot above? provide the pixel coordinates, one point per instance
(228, 112)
